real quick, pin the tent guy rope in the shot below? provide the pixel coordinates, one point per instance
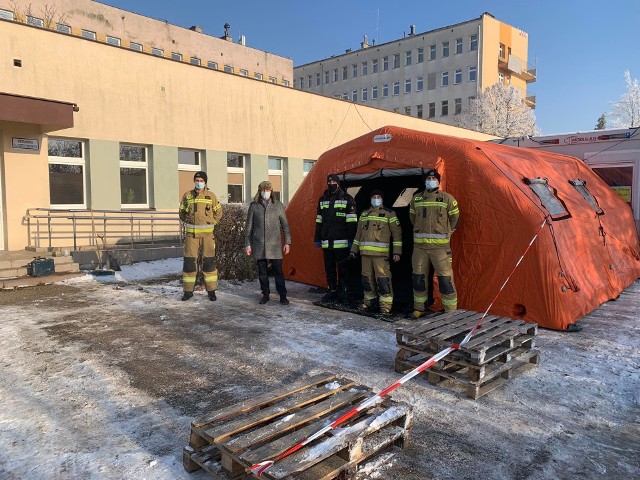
(259, 468)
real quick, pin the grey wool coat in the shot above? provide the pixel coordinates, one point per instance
(262, 230)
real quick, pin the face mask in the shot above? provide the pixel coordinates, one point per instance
(265, 194)
(333, 187)
(376, 202)
(431, 184)
(199, 185)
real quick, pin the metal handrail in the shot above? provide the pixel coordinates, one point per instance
(46, 227)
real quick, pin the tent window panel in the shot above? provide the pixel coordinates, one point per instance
(549, 198)
(581, 186)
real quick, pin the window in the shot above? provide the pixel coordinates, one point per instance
(307, 165)
(407, 110)
(385, 90)
(301, 82)
(61, 27)
(385, 64)
(194, 61)
(501, 78)
(420, 55)
(235, 177)
(317, 79)
(445, 79)
(365, 94)
(244, 73)
(374, 92)
(88, 34)
(501, 50)
(133, 176)
(335, 75)
(581, 186)
(419, 84)
(472, 73)
(345, 95)
(157, 51)
(308, 81)
(407, 85)
(549, 198)
(285, 82)
(354, 96)
(228, 68)
(431, 81)
(66, 173)
(113, 40)
(35, 21)
(457, 77)
(396, 88)
(473, 43)
(407, 58)
(135, 46)
(355, 70)
(176, 56)
(275, 177)
(326, 77)
(273, 80)
(432, 110)
(188, 163)
(374, 65)
(396, 110)
(458, 46)
(6, 14)
(445, 108)
(345, 73)
(365, 68)
(419, 111)
(432, 52)
(396, 60)
(212, 65)
(258, 76)
(457, 106)
(445, 49)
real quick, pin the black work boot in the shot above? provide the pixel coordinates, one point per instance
(186, 296)
(284, 300)
(264, 299)
(212, 296)
(331, 296)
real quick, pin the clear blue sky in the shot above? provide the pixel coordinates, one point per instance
(581, 48)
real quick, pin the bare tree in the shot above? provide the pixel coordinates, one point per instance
(626, 111)
(499, 111)
(15, 8)
(48, 12)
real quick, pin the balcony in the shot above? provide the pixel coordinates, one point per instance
(530, 100)
(518, 67)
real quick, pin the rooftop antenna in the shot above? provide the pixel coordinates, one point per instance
(377, 24)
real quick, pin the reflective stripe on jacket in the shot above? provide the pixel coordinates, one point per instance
(336, 220)
(434, 216)
(200, 211)
(378, 230)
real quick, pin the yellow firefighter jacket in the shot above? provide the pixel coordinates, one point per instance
(434, 216)
(376, 229)
(200, 211)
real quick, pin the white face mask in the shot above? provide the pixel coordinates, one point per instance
(199, 185)
(431, 184)
(376, 202)
(265, 194)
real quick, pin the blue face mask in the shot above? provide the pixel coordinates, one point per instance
(431, 184)
(376, 202)
(199, 185)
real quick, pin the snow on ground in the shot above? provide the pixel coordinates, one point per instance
(100, 378)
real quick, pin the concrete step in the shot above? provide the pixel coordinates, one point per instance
(33, 281)
(18, 267)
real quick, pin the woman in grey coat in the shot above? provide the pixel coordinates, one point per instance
(265, 221)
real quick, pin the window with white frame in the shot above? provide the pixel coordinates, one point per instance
(301, 83)
(354, 96)
(244, 72)
(407, 57)
(396, 88)
(385, 64)
(354, 68)
(88, 34)
(374, 92)
(419, 84)
(66, 173)
(176, 56)
(307, 165)
(501, 78)
(135, 46)
(113, 40)
(276, 167)
(189, 162)
(326, 77)
(345, 96)
(472, 73)
(444, 82)
(407, 111)
(228, 68)
(345, 72)
(407, 85)
(473, 42)
(309, 80)
(432, 52)
(432, 110)
(6, 14)
(457, 106)
(374, 65)
(365, 94)
(194, 61)
(419, 111)
(457, 77)
(157, 52)
(273, 80)
(285, 82)
(420, 55)
(317, 79)
(212, 65)
(458, 46)
(62, 28)
(35, 21)
(365, 68)
(445, 49)
(133, 176)
(444, 108)
(335, 75)
(385, 90)
(396, 60)
(236, 164)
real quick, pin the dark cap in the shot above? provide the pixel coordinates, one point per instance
(377, 192)
(334, 177)
(202, 175)
(432, 173)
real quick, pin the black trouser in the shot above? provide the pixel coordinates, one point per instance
(331, 258)
(263, 276)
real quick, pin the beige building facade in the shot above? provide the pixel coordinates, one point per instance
(87, 125)
(429, 75)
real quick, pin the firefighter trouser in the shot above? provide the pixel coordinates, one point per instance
(205, 246)
(340, 276)
(376, 281)
(440, 258)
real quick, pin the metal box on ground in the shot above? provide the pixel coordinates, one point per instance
(40, 267)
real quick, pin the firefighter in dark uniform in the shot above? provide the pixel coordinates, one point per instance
(200, 211)
(434, 215)
(336, 223)
(378, 232)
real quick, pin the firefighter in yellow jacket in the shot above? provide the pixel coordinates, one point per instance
(378, 232)
(200, 211)
(434, 215)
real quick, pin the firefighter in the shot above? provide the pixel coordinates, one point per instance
(200, 211)
(376, 229)
(434, 215)
(336, 223)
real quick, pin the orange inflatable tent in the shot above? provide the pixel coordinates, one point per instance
(585, 254)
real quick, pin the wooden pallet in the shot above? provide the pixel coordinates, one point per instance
(259, 429)
(500, 349)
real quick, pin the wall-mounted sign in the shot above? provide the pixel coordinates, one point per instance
(385, 137)
(25, 143)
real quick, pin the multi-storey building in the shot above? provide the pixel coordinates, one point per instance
(426, 75)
